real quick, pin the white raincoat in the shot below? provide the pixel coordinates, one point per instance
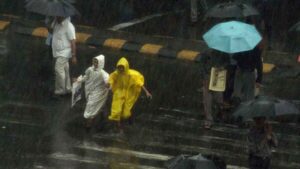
(95, 88)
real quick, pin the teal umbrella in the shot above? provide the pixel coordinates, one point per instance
(232, 37)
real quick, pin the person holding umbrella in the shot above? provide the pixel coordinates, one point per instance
(246, 80)
(212, 100)
(63, 48)
(260, 137)
(233, 38)
(240, 40)
(63, 40)
(261, 140)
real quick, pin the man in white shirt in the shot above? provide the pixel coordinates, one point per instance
(63, 48)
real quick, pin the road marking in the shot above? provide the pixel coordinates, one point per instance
(74, 157)
(19, 122)
(150, 49)
(11, 16)
(115, 150)
(235, 167)
(114, 43)
(136, 21)
(24, 105)
(131, 166)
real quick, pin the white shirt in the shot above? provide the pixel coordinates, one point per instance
(62, 35)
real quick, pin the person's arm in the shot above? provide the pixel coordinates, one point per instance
(84, 77)
(106, 79)
(258, 66)
(73, 50)
(270, 136)
(71, 34)
(111, 81)
(272, 140)
(148, 94)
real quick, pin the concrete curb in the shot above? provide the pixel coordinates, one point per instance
(119, 44)
(92, 39)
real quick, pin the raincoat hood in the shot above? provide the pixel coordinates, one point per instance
(123, 62)
(101, 61)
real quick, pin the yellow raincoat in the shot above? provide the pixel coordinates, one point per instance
(126, 88)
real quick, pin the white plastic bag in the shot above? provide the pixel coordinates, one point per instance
(76, 91)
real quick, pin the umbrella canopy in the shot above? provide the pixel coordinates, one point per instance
(264, 106)
(190, 162)
(62, 8)
(231, 10)
(232, 37)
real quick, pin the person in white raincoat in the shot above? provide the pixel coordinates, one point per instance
(96, 89)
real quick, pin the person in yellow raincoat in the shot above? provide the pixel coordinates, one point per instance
(126, 85)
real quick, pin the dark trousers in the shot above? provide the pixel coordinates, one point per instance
(229, 82)
(256, 162)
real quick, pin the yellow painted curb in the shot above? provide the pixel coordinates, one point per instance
(150, 49)
(40, 32)
(3, 25)
(82, 37)
(187, 55)
(114, 43)
(268, 67)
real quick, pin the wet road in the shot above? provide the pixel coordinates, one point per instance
(38, 131)
(36, 126)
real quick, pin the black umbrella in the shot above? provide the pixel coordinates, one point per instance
(231, 10)
(264, 106)
(190, 162)
(62, 8)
